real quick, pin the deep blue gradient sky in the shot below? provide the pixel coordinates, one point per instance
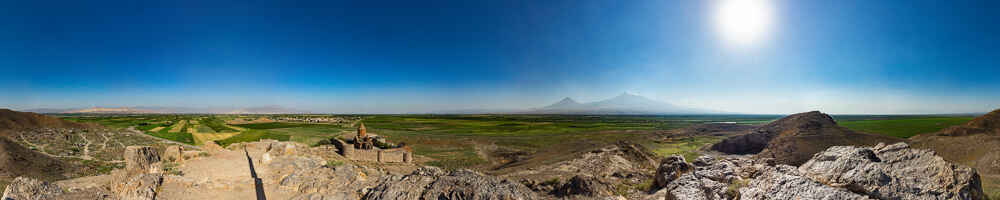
(850, 56)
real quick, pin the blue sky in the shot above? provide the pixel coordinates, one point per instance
(852, 56)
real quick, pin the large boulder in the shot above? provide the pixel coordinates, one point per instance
(784, 182)
(705, 178)
(174, 153)
(671, 168)
(737, 177)
(141, 159)
(893, 172)
(139, 187)
(141, 178)
(433, 183)
(585, 185)
(312, 179)
(24, 188)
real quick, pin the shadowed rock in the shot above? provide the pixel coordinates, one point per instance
(584, 185)
(141, 159)
(670, 169)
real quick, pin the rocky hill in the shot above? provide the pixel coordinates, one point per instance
(976, 144)
(794, 139)
(14, 120)
(986, 124)
(16, 160)
(49, 148)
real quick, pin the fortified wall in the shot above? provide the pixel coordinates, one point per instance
(373, 155)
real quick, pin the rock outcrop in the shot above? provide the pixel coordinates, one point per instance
(139, 187)
(312, 180)
(840, 172)
(434, 183)
(603, 173)
(893, 172)
(707, 178)
(24, 188)
(141, 178)
(793, 140)
(784, 182)
(585, 185)
(174, 153)
(670, 169)
(141, 159)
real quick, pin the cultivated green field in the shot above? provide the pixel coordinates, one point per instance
(252, 135)
(452, 140)
(902, 126)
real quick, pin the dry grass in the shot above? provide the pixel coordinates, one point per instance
(241, 129)
(157, 129)
(178, 127)
(201, 138)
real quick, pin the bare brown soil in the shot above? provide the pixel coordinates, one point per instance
(975, 144)
(13, 120)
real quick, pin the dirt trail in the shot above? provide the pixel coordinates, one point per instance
(86, 148)
(41, 149)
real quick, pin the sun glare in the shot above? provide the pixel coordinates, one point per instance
(744, 22)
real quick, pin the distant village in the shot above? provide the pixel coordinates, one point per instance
(295, 119)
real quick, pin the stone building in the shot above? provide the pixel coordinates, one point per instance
(362, 140)
(364, 149)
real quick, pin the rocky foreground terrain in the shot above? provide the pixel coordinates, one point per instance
(288, 170)
(285, 170)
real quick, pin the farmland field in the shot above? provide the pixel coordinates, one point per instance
(456, 141)
(903, 126)
(311, 135)
(252, 135)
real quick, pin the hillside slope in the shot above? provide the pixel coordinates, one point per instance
(975, 144)
(794, 139)
(16, 160)
(14, 120)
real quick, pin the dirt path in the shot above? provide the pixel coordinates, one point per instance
(86, 148)
(41, 149)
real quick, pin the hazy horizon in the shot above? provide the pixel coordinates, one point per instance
(842, 57)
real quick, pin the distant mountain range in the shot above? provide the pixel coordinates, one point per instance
(622, 104)
(169, 110)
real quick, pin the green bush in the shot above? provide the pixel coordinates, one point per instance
(553, 181)
(334, 163)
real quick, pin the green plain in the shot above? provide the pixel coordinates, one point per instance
(904, 127)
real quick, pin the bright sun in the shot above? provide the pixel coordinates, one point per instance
(743, 22)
